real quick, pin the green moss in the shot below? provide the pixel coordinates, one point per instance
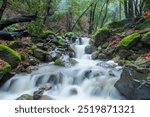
(23, 56)
(129, 40)
(70, 34)
(48, 32)
(143, 25)
(9, 55)
(58, 62)
(127, 62)
(34, 47)
(11, 43)
(116, 59)
(146, 37)
(6, 68)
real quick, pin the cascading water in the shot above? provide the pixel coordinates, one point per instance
(88, 79)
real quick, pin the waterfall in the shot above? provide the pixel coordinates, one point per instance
(89, 79)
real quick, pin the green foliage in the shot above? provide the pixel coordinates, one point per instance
(146, 37)
(22, 56)
(6, 68)
(9, 55)
(129, 40)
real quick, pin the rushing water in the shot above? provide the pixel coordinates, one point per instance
(88, 79)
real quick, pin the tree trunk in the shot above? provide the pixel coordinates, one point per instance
(130, 8)
(92, 17)
(4, 4)
(20, 19)
(105, 15)
(126, 8)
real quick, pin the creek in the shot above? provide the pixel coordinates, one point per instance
(88, 79)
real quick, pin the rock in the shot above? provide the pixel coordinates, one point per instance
(38, 94)
(110, 73)
(5, 78)
(25, 97)
(123, 53)
(89, 49)
(9, 55)
(55, 78)
(105, 45)
(146, 38)
(33, 61)
(46, 87)
(5, 68)
(95, 55)
(42, 55)
(102, 56)
(134, 83)
(130, 40)
(55, 55)
(40, 45)
(100, 49)
(101, 36)
(65, 61)
(18, 44)
(45, 97)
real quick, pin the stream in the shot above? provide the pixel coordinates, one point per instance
(88, 79)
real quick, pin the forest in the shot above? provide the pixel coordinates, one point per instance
(75, 49)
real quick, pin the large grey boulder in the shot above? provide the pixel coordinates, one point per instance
(134, 83)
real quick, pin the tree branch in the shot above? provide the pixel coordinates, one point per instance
(19, 19)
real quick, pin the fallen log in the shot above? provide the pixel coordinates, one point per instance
(19, 19)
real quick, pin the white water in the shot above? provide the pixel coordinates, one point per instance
(86, 80)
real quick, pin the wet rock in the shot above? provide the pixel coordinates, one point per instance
(95, 55)
(102, 56)
(38, 94)
(46, 87)
(73, 91)
(134, 83)
(55, 78)
(5, 77)
(25, 97)
(110, 73)
(45, 97)
(89, 49)
(105, 45)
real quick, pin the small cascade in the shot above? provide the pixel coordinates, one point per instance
(89, 79)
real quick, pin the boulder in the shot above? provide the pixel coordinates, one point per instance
(130, 40)
(89, 49)
(18, 44)
(95, 55)
(134, 83)
(101, 36)
(9, 55)
(42, 55)
(25, 97)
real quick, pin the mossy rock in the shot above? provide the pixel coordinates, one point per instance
(143, 25)
(116, 59)
(48, 32)
(6, 68)
(146, 38)
(70, 34)
(9, 55)
(130, 40)
(58, 62)
(101, 36)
